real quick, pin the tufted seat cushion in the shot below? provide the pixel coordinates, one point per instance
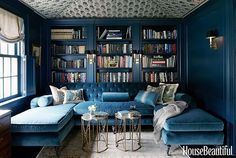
(42, 119)
(194, 120)
(112, 107)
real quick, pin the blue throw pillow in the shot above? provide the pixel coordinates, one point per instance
(147, 97)
(115, 96)
(45, 100)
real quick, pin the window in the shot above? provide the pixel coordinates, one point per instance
(10, 69)
(12, 60)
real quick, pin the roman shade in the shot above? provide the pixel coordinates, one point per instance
(11, 27)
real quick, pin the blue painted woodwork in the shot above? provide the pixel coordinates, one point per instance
(210, 73)
(33, 34)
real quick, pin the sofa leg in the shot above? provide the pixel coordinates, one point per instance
(168, 150)
(57, 149)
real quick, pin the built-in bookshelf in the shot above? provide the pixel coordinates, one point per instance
(159, 47)
(124, 51)
(69, 62)
(114, 54)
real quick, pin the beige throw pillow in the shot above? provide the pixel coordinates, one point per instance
(57, 94)
(159, 90)
(73, 96)
(169, 92)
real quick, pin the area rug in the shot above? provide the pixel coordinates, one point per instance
(72, 148)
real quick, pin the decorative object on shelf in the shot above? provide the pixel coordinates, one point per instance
(212, 35)
(92, 109)
(36, 52)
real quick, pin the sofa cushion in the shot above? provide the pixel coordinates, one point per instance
(73, 96)
(194, 120)
(112, 107)
(42, 119)
(115, 96)
(169, 92)
(147, 97)
(193, 138)
(57, 94)
(160, 89)
(45, 100)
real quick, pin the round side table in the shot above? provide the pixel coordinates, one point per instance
(132, 134)
(99, 124)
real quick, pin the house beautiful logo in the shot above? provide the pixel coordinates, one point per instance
(207, 151)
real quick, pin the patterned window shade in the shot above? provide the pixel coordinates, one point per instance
(11, 27)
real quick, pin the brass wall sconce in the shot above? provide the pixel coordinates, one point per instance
(90, 56)
(136, 56)
(212, 36)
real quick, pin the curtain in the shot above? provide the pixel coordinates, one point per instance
(11, 27)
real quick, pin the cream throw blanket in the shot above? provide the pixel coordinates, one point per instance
(171, 109)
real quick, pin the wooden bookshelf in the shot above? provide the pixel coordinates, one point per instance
(159, 57)
(114, 54)
(133, 50)
(69, 61)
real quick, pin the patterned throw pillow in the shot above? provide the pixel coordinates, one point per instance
(169, 92)
(57, 94)
(160, 90)
(73, 96)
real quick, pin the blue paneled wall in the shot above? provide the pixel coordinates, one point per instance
(208, 72)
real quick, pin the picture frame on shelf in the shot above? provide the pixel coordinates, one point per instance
(36, 52)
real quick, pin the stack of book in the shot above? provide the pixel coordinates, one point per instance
(114, 48)
(114, 61)
(153, 34)
(68, 49)
(114, 33)
(64, 34)
(114, 77)
(122, 113)
(68, 77)
(154, 61)
(57, 34)
(60, 63)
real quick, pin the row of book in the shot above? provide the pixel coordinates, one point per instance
(58, 63)
(67, 49)
(63, 77)
(158, 61)
(159, 48)
(153, 34)
(64, 34)
(114, 62)
(114, 48)
(171, 61)
(114, 33)
(160, 77)
(114, 77)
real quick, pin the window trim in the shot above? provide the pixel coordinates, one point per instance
(18, 55)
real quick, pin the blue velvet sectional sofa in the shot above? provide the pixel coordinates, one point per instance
(48, 126)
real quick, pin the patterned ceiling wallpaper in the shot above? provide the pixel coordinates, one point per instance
(113, 8)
